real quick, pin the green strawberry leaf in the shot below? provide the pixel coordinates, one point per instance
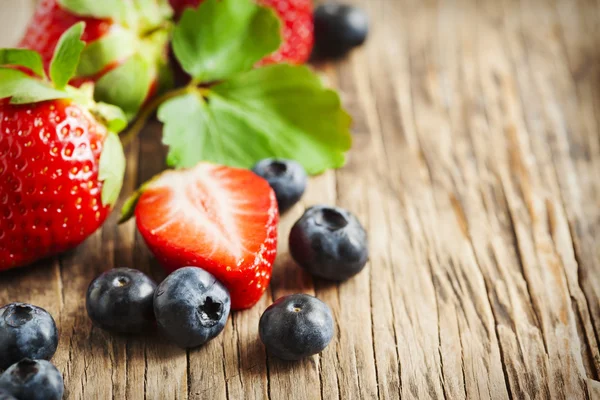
(278, 111)
(119, 44)
(113, 117)
(22, 88)
(138, 15)
(151, 13)
(94, 8)
(111, 169)
(126, 86)
(25, 58)
(66, 56)
(222, 38)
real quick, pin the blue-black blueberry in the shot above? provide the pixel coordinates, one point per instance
(287, 178)
(121, 300)
(296, 326)
(26, 331)
(33, 380)
(338, 29)
(330, 243)
(191, 307)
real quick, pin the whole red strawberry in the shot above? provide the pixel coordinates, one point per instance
(48, 24)
(128, 52)
(297, 21)
(60, 166)
(221, 219)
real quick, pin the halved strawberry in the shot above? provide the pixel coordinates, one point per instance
(221, 219)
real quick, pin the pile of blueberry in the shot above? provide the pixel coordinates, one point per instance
(190, 306)
(329, 243)
(28, 338)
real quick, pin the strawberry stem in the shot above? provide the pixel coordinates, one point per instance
(147, 111)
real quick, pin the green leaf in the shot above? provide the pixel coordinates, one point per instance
(113, 117)
(111, 169)
(137, 15)
(119, 44)
(66, 56)
(23, 89)
(278, 111)
(94, 8)
(151, 13)
(128, 208)
(126, 86)
(25, 58)
(222, 38)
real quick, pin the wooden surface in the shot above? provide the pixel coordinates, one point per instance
(476, 168)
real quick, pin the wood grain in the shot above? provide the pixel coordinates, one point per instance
(475, 169)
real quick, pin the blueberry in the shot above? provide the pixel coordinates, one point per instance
(33, 380)
(286, 177)
(296, 326)
(26, 331)
(338, 29)
(4, 395)
(120, 300)
(330, 243)
(191, 307)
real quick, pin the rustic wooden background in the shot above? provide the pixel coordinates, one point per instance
(476, 168)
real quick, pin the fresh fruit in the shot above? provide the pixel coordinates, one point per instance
(296, 326)
(235, 114)
(218, 218)
(297, 22)
(26, 331)
(4, 395)
(121, 300)
(61, 163)
(329, 243)
(51, 194)
(33, 380)
(338, 29)
(286, 177)
(191, 307)
(50, 21)
(126, 47)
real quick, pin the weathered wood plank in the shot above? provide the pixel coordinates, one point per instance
(165, 366)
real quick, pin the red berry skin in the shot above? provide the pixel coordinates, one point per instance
(50, 196)
(298, 26)
(50, 21)
(177, 240)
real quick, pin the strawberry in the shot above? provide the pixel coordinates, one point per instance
(297, 21)
(49, 161)
(48, 24)
(61, 164)
(113, 41)
(218, 218)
